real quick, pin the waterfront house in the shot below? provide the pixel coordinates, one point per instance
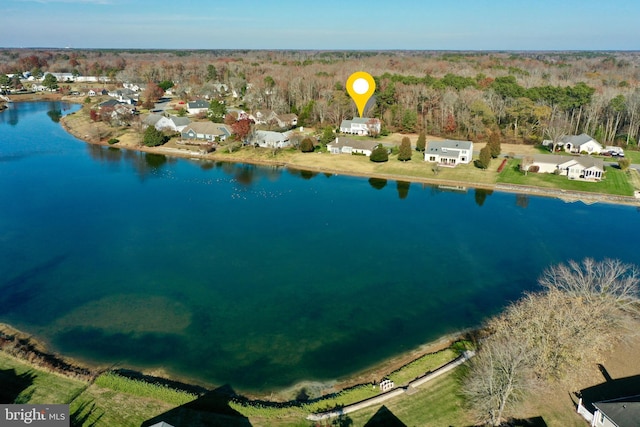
(170, 123)
(205, 131)
(575, 167)
(361, 126)
(449, 152)
(270, 139)
(351, 146)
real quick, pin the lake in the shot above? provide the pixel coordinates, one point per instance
(259, 277)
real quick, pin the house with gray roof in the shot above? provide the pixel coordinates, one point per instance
(171, 123)
(197, 107)
(624, 412)
(584, 168)
(449, 152)
(205, 131)
(582, 143)
(270, 139)
(361, 126)
(352, 146)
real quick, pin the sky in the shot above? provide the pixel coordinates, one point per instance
(323, 24)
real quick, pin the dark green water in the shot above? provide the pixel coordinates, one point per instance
(259, 277)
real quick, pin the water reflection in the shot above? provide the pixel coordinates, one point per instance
(481, 195)
(378, 183)
(403, 189)
(522, 200)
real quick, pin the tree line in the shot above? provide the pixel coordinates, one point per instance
(463, 95)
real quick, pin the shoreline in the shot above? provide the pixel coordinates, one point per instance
(28, 349)
(568, 196)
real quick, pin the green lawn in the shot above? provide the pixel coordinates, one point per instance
(21, 383)
(615, 181)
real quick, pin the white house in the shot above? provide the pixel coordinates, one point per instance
(269, 139)
(197, 107)
(582, 167)
(449, 152)
(361, 126)
(612, 413)
(172, 123)
(263, 117)
(206, 131)
(350, 146)
(582, 143)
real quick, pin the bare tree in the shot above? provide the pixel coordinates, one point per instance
(610, 280)
(498, 380)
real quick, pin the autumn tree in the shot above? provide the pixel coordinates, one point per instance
(450, 125)
(151, 95)
(242, 128)
(404, 153)
(421, 143)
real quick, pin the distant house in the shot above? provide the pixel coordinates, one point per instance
(449, 152)
(197, 107)
(580, 167)
(350, 146)
(263, 117)
(97, 92)
(125, 95)
(361, 126)
(287, 120)
(582, 143)
(171, 123)
(205, 131)
(269, 139)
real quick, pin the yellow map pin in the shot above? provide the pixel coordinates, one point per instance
(360, 86)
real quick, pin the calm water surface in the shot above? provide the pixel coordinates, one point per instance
(259, 277)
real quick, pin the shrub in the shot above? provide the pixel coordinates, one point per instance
(113, 141)
(306, 146)
(379, 154)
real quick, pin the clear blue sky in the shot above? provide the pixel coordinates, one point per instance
(323, 24)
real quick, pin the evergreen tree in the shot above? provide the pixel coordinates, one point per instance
(217, 111)
(404, 153)
(494, 144)
(327, 136)
(153, 137)
(379, 154)
(421, 143)
(485, 157)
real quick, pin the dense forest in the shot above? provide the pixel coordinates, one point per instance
(522, 96)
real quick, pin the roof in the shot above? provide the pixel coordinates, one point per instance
(152, 119)
(578, 139)
(198, 104)
(568, 161)
(355, 143)
(270, 136)
(624, 412)
(180, 121)
(208, 128)
(358, 120)
(442, 147)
